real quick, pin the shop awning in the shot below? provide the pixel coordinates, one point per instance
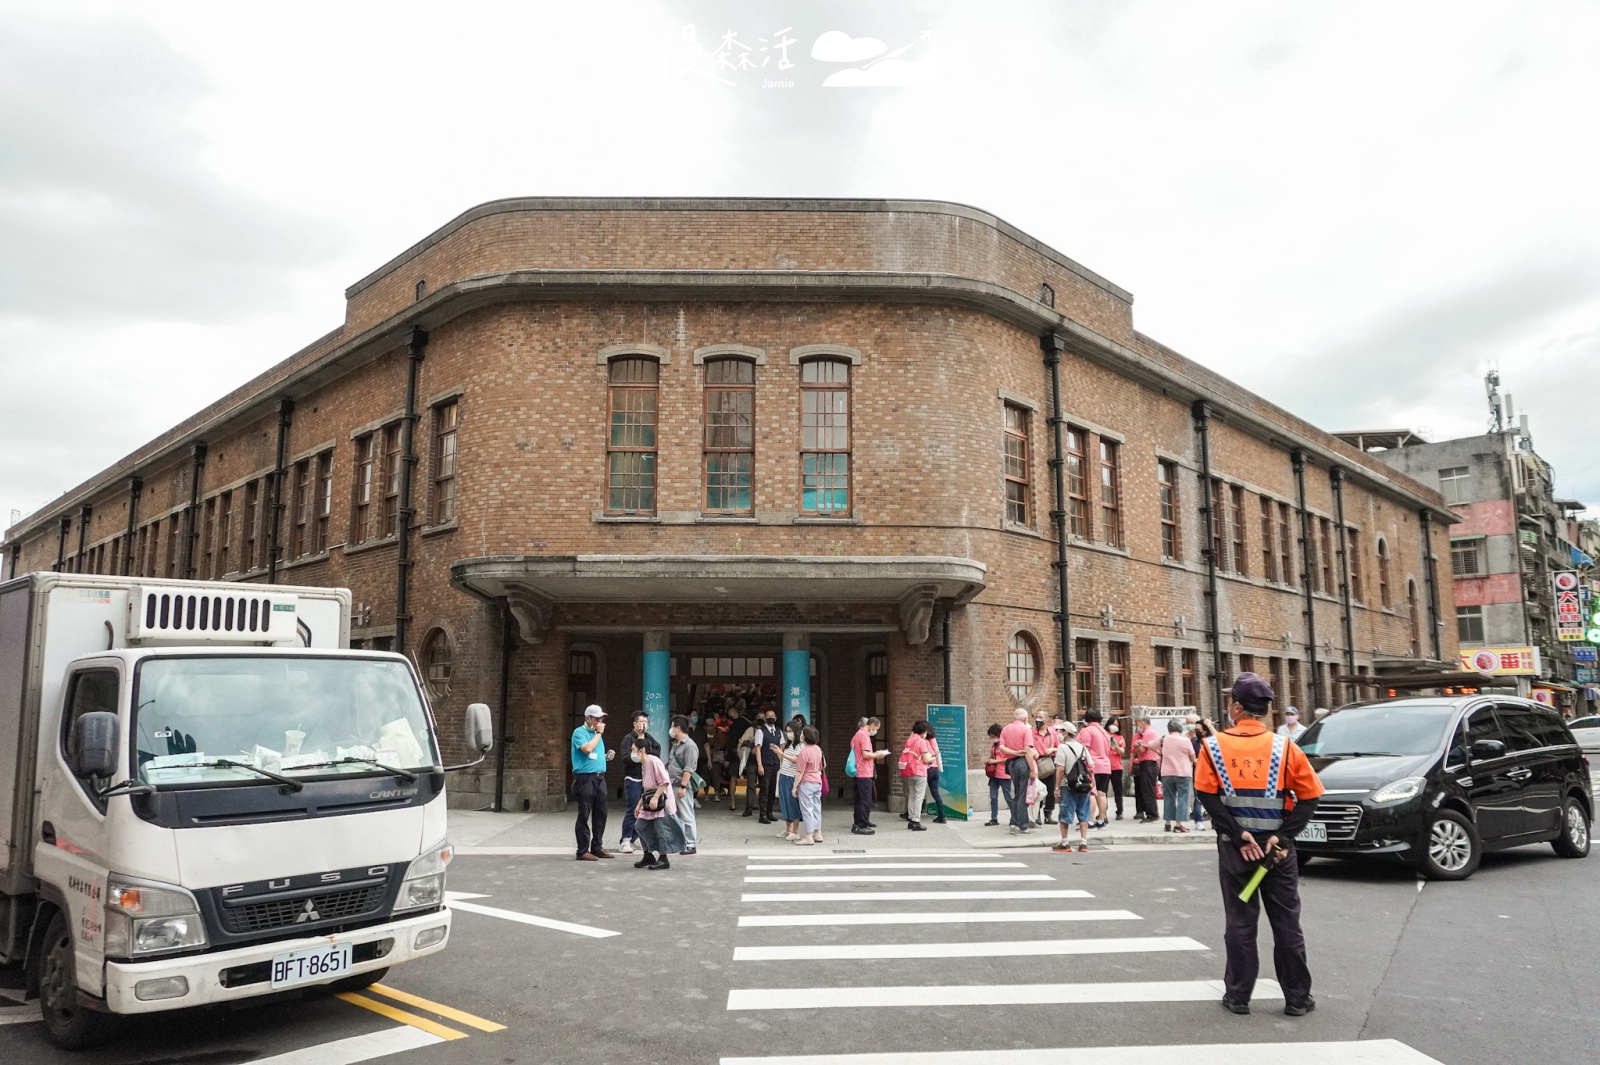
(534, 584)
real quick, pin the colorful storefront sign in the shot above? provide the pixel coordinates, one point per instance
(1569, 607)
(1502, 661)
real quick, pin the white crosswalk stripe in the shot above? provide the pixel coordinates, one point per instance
(887, 865)
(912, 896)
(873, 856)
(1365, 1052)
(969, 878)
(812, 920)
(821, 998)
(1005, 948)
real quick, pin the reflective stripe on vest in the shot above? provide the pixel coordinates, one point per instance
(1256, 809)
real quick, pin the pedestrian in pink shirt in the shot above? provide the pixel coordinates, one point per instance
(1146, 770)
(914, 761)
(1098, 742)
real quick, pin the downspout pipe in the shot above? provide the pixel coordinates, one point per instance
(507, 646)
(61, 545)
(279, 472)
(944, 641)
(1201, 412)
(191, 513)
(1053, 344)
(84, 514)
(1298, 457)
(416, 350)
(135, 491)
(1431, 576)
(1336, 476)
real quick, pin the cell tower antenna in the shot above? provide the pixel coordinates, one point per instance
(1491, 382)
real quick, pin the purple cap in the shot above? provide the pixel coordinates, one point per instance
(1250, 686)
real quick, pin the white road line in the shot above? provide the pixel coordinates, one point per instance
(356, 1048)
(998, 948)
(873, 856)
(19, 1014)
(811, 920)
(909, 896)
(528, 918)
(887, 865)
(815, 998)
(1364, 1052)
(962, 877)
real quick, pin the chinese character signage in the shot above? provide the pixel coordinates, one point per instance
(950, 732)
(1569, 607)
(1587, 654)
(1502, 661)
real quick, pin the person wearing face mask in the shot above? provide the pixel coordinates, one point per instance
(769, 745)
(788, 795)
(656, 813)
(866, 765)
(1114, 752)
(631, 750)
(1045, 741)
(683, 762)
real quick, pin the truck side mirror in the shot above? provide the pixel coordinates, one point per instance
(94, 745)
(480, 729)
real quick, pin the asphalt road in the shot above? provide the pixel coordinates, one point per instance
(1493, 970)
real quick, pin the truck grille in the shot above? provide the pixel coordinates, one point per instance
(1342, 820)
(246, 917)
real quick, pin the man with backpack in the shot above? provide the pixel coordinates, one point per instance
(1076, 801)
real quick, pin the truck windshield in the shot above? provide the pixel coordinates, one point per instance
(1386, 728)
(282, 714)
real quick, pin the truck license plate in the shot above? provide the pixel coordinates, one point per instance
(311, 964)
(1315, 832)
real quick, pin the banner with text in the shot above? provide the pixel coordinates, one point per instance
(950, 729)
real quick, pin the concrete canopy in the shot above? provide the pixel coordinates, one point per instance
(532, 585)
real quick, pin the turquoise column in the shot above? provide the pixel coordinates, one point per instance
(796, 676)
(657, 683)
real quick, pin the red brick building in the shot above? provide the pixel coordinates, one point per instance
(633, 451)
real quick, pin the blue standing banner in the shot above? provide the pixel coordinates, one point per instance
(950, 729)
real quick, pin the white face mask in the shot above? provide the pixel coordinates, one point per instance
(637, 757)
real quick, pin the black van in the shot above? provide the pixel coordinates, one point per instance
(1438, 781)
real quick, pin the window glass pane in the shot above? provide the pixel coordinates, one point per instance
(825, 372)
(825, 482)
(728, 480)
(730, 372)
(634, 371)
(633, 481)
(633, 417)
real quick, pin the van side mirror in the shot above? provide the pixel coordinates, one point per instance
(480, 729)
(1484, 750)
(94, 745)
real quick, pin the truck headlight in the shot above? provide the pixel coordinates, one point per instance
(423, 887)
(1399, 791)
(144, 918)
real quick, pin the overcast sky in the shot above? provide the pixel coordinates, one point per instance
(1353, 209)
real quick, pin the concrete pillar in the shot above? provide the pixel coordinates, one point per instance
(796, 676)
(657, 682)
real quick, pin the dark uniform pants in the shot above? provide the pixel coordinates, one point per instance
(590, 791)
(1280, 894)
(863, 802)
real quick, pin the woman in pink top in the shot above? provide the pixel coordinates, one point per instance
(1177, 775)
(1119, 744)
(657, 813)
(1098, 741)
(808, 786)
(914, 762)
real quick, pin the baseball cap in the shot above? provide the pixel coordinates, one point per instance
(1250, 686)
(593, 710)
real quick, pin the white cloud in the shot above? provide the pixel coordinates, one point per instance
(836, 46)
(889, 73)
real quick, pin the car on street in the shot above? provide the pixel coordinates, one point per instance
(1586, 730)
(1437, 782)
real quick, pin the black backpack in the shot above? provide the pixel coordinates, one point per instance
(1079, 780)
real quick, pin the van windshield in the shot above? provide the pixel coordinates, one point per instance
(1387, 728)
(283, 714)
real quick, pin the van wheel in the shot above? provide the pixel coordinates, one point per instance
(1453, 848)
(358, 982)
(1574, 839)
(69, 1025)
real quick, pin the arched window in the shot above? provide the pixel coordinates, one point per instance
(1383, 572)
(730, 440)
(1022, 666)
(436, 657)
(825, 437)
(1415, 621)
(631, 445)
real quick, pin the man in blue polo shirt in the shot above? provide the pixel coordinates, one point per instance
(589, 784)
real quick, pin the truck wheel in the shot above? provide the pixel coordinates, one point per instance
(1574, 839)
(358, 982)
(67, 1022)
(1452, 847)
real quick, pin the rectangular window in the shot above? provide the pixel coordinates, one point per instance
(1219, 525)
(1241, 560)
(1077, 484)
(1015, 444)
(172, 546)
(631, 445)
(224, 535)
(363, 489)
(730, 441)
(1310, 550)
(1453, 484)
(392, 473)
(825, 437)
(1467, 557)
(141, 554)
(1296, 692)
(1117, 678)
(1286, 546)
(1276, 665)
(1269, 560)
(1191, 678)
(300, 519)
(1469, 624)
(1329, 585)
(252, 506)
(1167, 487)
(1110, 495)
(208, 539)
(1083, 675)
(1352, 551)
(446, 420)
(324, 501)
(1247, 663)
(1163, 676)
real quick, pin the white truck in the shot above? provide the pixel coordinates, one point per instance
(205, 796)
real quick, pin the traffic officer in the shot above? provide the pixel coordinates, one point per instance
(1260, 791)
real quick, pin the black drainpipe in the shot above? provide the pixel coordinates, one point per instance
(279, 471)
(1299, 459)
(135, 490)
(84, 513)
(507, 646)
(61, 545)
(191, 513)
(416, 348)
(1432, 580)
(944, 638)
(1053, 345)
(1202, 427)
(1337, 476)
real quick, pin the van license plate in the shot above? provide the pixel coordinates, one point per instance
(1315, 832)
(310, 965)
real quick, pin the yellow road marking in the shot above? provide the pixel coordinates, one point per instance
(449, 1012)
(386, 1010)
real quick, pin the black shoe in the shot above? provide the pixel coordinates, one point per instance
(939, 820)
(1300, 1009)
(872, 824)
(645, 861)
(749, 813)
(916, 826)
(662, 864)
(905, 817)
(765, 821)
(1231, 1006)
(857, 831)
(991, 822)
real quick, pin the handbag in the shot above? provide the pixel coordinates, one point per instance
(653, 801)
(825, 776)
(1047, 766)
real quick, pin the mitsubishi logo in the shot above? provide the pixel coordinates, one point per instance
(308, 914)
